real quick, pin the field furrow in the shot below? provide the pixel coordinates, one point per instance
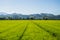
(14, 33)
(35, 33)
(23, 32)
(29, 29)
(53, 34)
(53, 30)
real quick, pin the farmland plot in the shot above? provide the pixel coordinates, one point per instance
(29, 30)
(52, 27)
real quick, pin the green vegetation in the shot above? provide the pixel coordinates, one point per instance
(29, 29)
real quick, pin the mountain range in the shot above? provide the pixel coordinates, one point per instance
(16, 16)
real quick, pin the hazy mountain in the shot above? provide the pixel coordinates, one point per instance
(31, 16)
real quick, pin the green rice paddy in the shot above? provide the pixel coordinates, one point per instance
(29, 29)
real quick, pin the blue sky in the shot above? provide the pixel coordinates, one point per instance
(30, 6)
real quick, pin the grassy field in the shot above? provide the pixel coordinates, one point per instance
(29, 29)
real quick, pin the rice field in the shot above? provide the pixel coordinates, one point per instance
(29, 29)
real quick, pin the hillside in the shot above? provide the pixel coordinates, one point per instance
(16, 16)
